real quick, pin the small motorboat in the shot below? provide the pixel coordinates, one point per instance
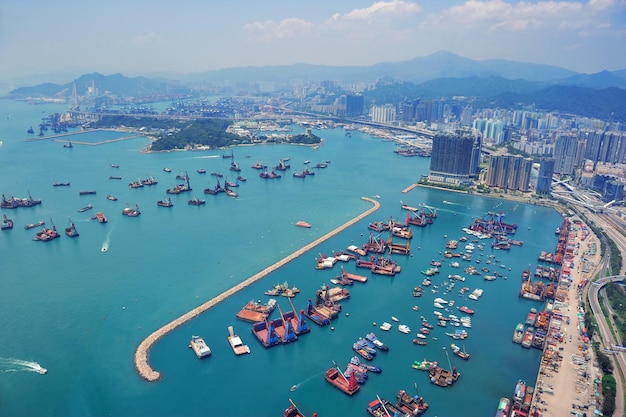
(302, 223)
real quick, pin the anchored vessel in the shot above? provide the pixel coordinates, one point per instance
(235, 342)
(200, 348)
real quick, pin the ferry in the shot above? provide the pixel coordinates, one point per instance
(200, 348)
(235, 342)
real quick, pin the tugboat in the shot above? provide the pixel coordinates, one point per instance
(6, 223)
(71, 231)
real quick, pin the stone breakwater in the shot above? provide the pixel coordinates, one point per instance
(142, 353)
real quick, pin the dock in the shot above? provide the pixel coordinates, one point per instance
(409, 188)
(142, 364)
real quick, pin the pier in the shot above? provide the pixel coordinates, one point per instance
(141, 354)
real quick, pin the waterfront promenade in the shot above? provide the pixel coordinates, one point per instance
(142, 352)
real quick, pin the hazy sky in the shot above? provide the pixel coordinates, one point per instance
(136, 37)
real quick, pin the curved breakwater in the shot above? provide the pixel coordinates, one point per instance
(141, 354)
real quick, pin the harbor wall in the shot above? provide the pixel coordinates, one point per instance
(142, 364)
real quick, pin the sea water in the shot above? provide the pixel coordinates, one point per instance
(81, 312)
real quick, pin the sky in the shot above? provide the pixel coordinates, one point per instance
(150, 37)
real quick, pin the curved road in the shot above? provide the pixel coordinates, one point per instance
(608, 337)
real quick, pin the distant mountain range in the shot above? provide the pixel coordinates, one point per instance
(441, 74)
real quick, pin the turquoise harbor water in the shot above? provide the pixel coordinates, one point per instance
(81, 313)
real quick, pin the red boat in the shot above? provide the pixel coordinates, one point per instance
(466, 310)
(339, 381)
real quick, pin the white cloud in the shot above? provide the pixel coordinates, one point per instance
(145, 38)
(286, 28)
(380, 8)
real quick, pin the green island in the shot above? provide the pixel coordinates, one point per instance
(211, 133)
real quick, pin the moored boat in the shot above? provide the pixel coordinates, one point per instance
(348, 386)
(131, 212)
(71, 231)
(504, 407)
(46, 234)
(412, 406)
(6, 223)
(84, 209)
(236, 344)
(458, 352)
(518, 333)
(32, 225)
(199, 347)
(196, 202)
(165, 203)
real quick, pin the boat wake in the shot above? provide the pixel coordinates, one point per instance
(299, 384)
(206, 157)
(450, 202)
(18, 365)
(106, 243)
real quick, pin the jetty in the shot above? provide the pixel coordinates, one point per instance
(142, 364)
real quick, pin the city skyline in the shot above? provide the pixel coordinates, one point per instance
(164, 37)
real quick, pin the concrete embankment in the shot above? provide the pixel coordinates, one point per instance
(142, 353)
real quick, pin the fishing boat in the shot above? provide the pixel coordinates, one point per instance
(111, 198)
(6, 223)
(165, 203)
(131, 212)
(71, 231)
(199, 347)
(196, 202)
(236, 344)
(337, 379)
(302, 223)
(32, 225)
(84, 209)
(466, 310)
(101, 217)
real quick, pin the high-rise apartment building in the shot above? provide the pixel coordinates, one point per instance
(509, 172)
(544, 179)
(354, 105)
(565, 149)
(451, 159)
(383, 114)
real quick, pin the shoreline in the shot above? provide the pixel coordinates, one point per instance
(142, 364)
